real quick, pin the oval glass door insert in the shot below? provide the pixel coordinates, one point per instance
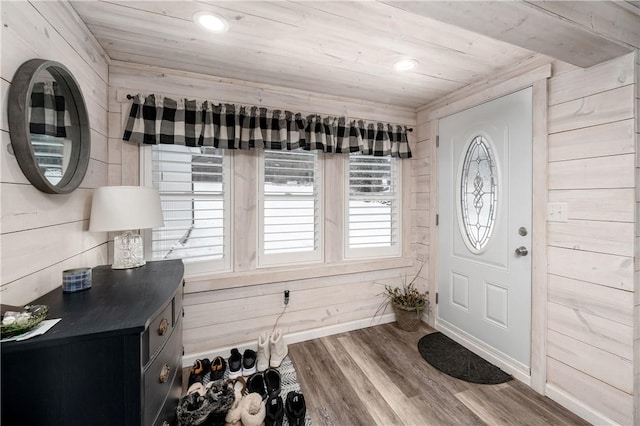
(478, 194)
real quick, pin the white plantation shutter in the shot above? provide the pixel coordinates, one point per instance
(373, 199)
(192, 182)
(52, 155)
(290, 207)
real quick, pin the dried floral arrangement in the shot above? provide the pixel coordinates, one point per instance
(406, 296)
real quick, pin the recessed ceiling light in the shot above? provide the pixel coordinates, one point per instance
(405, 64)
(211, 21)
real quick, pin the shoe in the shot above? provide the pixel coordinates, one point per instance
(272, 382)
(278, 349)
(233, 415)
(199, 370)
(253, 410)
(248, 362)
(263, 352)
(239, 384)
(221, 397)
(193, 406)
(295, 408)
(218, 366)
(196, 387)
(255, 384)
(235, 364)
(275, 411)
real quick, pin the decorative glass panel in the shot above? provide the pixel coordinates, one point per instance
(478, 194)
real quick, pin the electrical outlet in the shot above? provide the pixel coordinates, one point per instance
(286, 297)
(557, 212)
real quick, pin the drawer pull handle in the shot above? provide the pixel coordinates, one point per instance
(164, 373)
(164, 326)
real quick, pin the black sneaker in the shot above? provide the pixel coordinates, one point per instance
(272, 382)
(295, 408)
(249, 362)
(218, 365)
(199, 370)
(275, 411)
(255, 384)
(235, 364)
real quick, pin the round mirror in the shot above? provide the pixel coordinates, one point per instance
(49, 126)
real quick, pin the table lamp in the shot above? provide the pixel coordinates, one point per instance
(126, 208)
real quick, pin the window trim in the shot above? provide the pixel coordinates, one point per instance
(223, 265)
(364, 253)
(284, 259)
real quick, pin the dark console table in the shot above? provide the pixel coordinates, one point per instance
(114, 359)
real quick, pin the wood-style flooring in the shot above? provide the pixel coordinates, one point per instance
(376, 376)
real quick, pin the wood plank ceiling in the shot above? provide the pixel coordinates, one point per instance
(348, 48)
(342, 48)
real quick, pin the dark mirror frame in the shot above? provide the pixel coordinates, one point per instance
(18, 113)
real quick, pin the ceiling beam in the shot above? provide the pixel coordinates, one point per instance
(539, 26)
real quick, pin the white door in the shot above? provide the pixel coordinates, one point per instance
(484, 267)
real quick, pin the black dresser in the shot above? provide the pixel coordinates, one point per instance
(114, 359)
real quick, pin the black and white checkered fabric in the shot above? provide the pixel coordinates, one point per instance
(49, 115)
(155, 119)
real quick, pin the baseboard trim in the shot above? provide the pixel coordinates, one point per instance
(504, 362)
(577, 407)
(299, 336)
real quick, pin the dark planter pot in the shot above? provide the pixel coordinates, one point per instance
(408, 320)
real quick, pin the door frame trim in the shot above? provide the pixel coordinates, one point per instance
(537, 79)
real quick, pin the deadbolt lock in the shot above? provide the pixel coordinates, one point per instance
(522, 231)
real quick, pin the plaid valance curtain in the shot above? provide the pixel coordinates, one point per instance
(155, 119)
(49, 115)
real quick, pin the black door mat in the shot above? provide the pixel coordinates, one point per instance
(457, 361)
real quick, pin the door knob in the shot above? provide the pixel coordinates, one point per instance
(522, 251)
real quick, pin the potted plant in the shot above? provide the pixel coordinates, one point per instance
(407, 302)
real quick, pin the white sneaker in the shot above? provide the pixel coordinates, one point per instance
(263, 352)
(278, 349)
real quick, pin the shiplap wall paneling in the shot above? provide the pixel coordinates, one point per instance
(239, 315)
(614, 404)
(233, 308)
(44, 234)
(636, 336)
(421, 194)
(592, 162)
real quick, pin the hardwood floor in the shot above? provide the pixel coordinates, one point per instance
(376, 376)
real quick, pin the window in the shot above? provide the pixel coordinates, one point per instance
(194, 186)
(52, 155)
(373, 198)
(290, 206)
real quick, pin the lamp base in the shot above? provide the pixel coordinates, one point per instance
(128, 251)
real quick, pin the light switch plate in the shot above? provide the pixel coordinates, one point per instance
(557, 212)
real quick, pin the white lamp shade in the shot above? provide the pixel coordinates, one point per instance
(121, 208)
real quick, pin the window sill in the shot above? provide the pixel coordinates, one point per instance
(211, 282)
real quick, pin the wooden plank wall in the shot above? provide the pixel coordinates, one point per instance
(43, 234)
(234, 308)
(591, 256)
(421, 202)
(636, 300)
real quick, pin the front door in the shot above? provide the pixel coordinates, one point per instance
(484, 208)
